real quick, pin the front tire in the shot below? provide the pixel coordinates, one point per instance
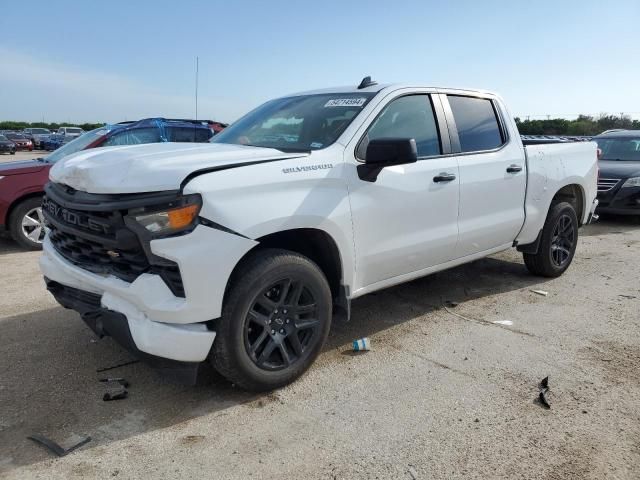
(26, 224)
(275, 319)
(558, 243)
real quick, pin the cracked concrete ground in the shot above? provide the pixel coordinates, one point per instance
(441, 395)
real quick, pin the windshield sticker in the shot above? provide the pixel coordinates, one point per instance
(345, 102)
(316, 145)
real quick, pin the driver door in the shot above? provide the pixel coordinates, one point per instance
(406, 220)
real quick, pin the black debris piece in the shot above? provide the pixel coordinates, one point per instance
(100, 370)
(119, 380)
(119, 395)
(542, 395)
(54, 447)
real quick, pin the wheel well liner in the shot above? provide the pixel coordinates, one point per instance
(572, 194)
(317, 245)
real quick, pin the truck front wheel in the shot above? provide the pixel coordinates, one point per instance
(275, 319)
(558, 242)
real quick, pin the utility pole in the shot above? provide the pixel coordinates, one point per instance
(197, 68)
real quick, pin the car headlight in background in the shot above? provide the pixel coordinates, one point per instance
(174, 218)
(632, 182)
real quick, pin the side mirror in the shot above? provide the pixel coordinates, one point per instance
(599, 153)
(384, 152)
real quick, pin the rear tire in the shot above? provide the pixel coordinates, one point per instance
(276, 317)
(26, 223)
(557, 244)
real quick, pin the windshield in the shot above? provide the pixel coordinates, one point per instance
(77, 144)
(306, 122)
(3, 138)
(73, 130)
(620, 149)
(15, 136)
(39, 131)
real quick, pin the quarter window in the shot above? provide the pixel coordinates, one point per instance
(406, 117)
(477, 124)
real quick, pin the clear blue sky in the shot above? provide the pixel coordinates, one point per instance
(109, 61)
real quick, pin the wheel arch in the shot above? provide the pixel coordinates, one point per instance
(573, 194)
(315, 244)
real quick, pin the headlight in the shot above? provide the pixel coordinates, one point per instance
(173, 218)
(632, 182)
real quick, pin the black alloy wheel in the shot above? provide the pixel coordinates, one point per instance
(562, 241)
(281, 324)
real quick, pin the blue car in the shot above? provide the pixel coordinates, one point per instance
(152, 130)
(54, 141)
(148, 130)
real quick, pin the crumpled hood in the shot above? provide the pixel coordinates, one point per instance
(151, 167)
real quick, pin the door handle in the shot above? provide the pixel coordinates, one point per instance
(444, 177)
(513, 168)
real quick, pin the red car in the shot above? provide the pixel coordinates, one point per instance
(22, 142)
(22, 183)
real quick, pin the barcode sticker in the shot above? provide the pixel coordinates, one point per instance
(346, 102)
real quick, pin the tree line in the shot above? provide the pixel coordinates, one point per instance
(13, 125)
(583, 125)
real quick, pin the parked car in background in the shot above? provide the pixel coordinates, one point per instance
(22, 183)
(55, 141)
(70, 131)
(239, 251)
(7, 146)
(619, 162)
(22, 142)
(217, 127)
(36, 135)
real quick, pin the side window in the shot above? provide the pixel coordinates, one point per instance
(406, 117)
(133, 137)
(203, 134)
(477, 124)
(180, 134)
(119, 138)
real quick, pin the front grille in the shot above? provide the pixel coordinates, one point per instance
(100, 242)
(606, 184)
(97, 257)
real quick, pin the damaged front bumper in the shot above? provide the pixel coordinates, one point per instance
(105, 322)
(592, 215)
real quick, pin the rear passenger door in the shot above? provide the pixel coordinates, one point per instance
(492, 173)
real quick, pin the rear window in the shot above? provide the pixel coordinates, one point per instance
(621, 149)
(188, 134)
(477, 124)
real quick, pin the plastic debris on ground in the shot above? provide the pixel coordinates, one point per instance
(503, 322)
(55, 447)
(361, 345)
(543, 388)
(544, 293)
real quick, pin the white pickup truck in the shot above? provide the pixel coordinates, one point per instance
(241, 251)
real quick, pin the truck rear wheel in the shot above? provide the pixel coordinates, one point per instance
(275, 319)
(558, 242)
